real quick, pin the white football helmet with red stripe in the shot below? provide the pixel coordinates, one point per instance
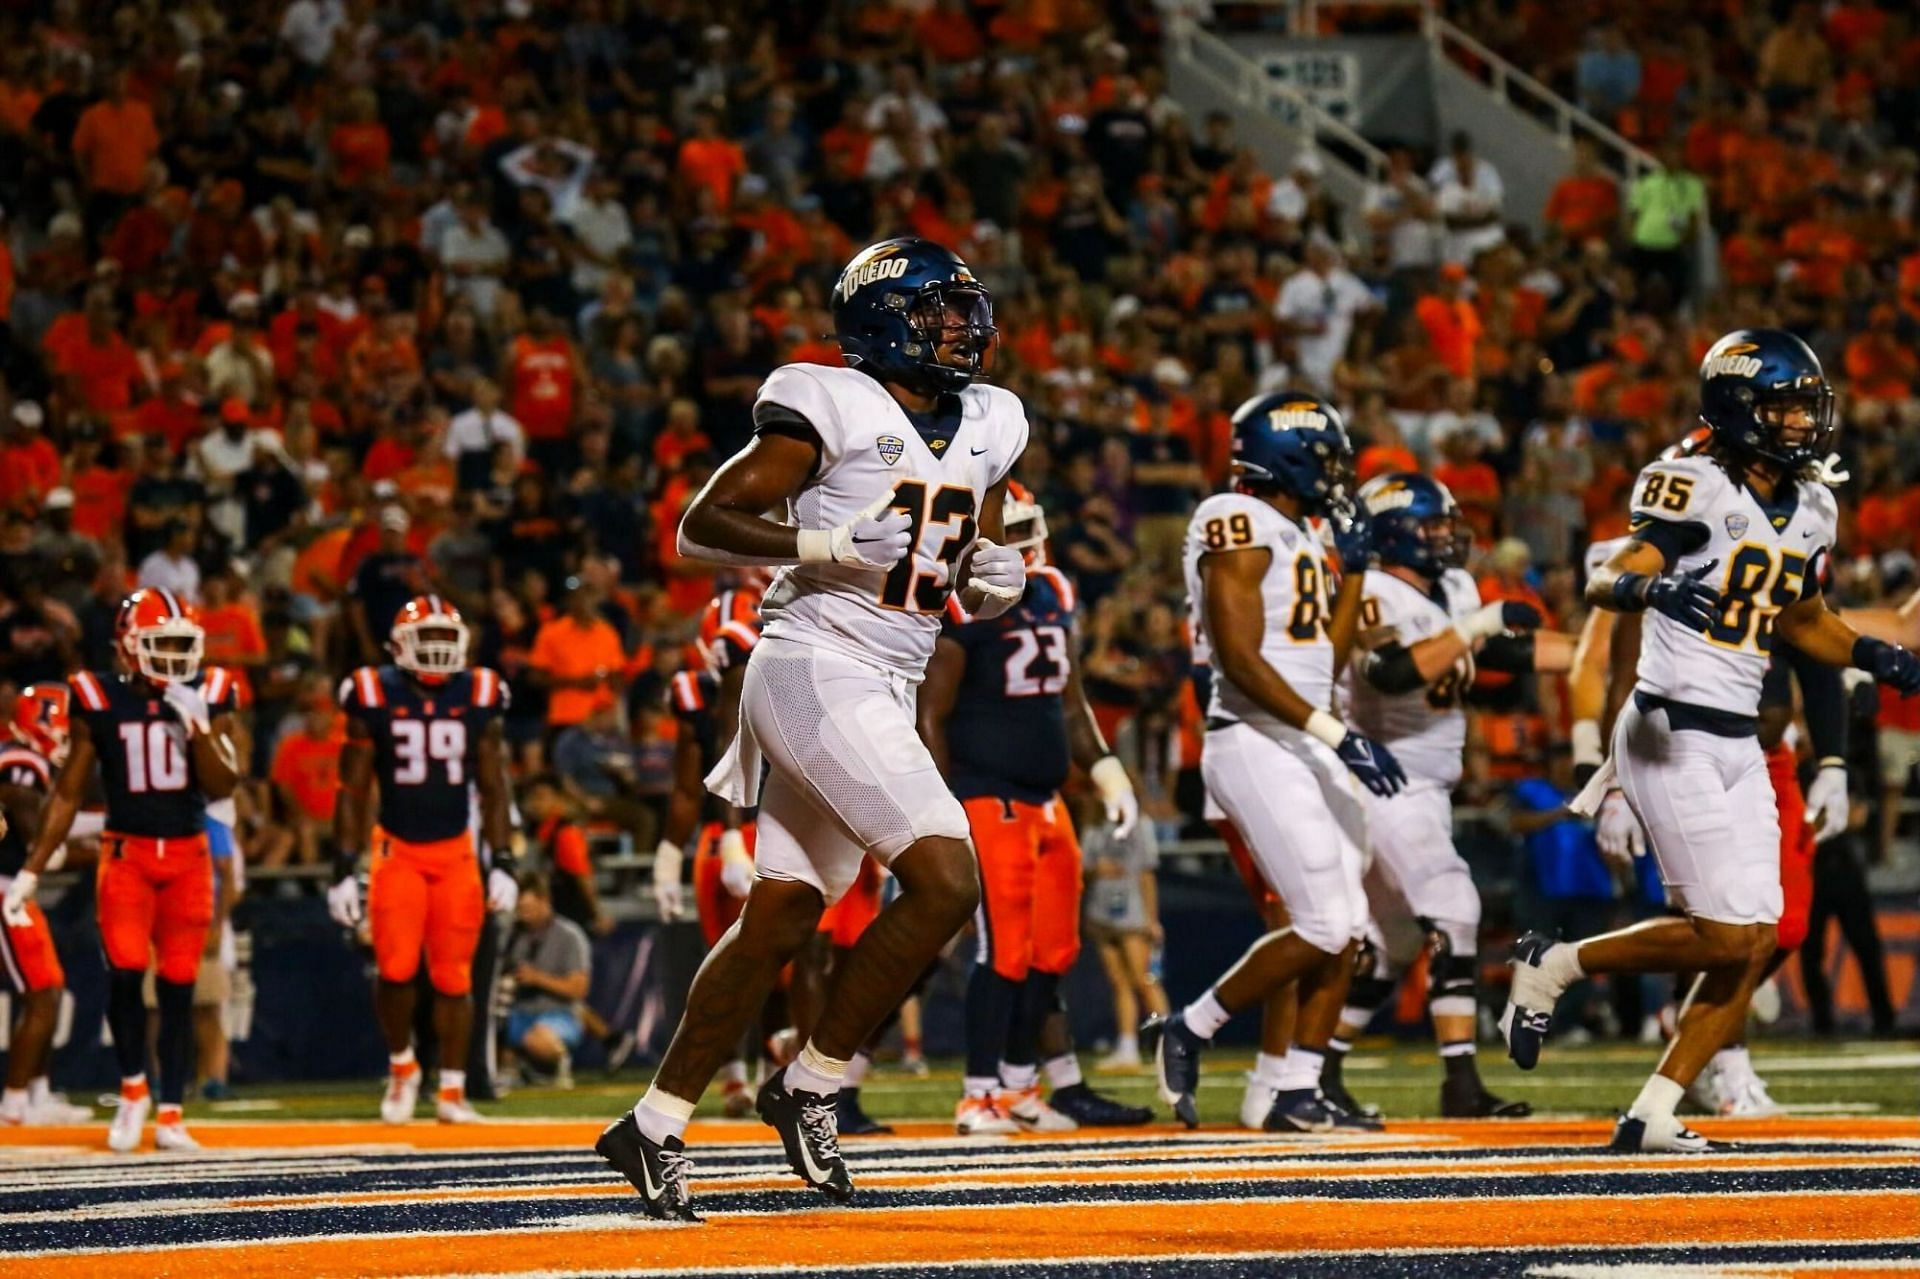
(42, 716)
(159, 636)
(429, 638)
(1023, 524)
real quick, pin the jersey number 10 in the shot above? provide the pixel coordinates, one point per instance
(154, 758)
(417, 741)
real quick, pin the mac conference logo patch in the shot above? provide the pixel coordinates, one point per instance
(891, 447)
(1736, 527)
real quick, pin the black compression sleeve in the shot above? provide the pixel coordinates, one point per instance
(1506, 652)
(1391, 669)
(1823, 697)
(777, 419)
(1672, 538)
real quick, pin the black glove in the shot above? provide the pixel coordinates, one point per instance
(1681, 596)
(1372, 763)
(1352, 537)
(1518, 615)
(1889, 664)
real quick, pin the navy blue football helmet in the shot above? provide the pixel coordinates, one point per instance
(1416, 522)
(1750, 381)
(1295, 442)
(894, 307)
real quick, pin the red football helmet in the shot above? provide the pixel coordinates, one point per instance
(41, 715)
(1023, 523)
(429, 639)
(159, 636)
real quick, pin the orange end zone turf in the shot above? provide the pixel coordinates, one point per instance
(1796, 1198)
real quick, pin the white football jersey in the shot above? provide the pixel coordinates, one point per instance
(1299, 601)
(1426, 729)
(868, 446)
(1763, 560)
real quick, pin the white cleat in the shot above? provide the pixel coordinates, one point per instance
(1705, 1091)
(56, 1111)
(455, 1110)
(1752, 1102)
(128, 1123)
(980, 1117)
(1026, 1109)
(1256, 1103)
(403, 1094)
(1660, 1135)
(173, 1136)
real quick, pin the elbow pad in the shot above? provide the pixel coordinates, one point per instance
(1392, 670)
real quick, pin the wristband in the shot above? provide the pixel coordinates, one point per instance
(1630, 592)
(1865, 649)
(346, 864)
(1109, 777)
(667, 858)
(1586, 743)
(733, 847)
(1832, 761)
(1326, 728)
(814, 545)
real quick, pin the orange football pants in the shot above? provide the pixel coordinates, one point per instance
(1030, 877)
(1796, 847)
(426, 897)
(27, 954)
(718, 907)
(155, 902)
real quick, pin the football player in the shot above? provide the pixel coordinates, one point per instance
(892, 472)
(163, 753)
(1005, 715)
(427, 728)
(1424, 633)
(1724, 561)
(1276, 759)
(705, 701)
(35, 747)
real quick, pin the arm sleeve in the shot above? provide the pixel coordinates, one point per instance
(1391, 669)
(1672, 538)
(1507, 652)
(1823, 698)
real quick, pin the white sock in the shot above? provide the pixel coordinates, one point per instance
(453, 1081)
(734, 1072)
(397, 1062)
(1458, 1048)
(1126, 1046)
(39, 1091)
(1300, 1068)
(815, 1072)
(1561, 965)
(1657, 1099)
(1018, 1078)
(662, 1115)
(1267, 1069)
(1205, 1016)
(981, 1085)
(1063, 1071)
(13, 1101)
(857, 1067)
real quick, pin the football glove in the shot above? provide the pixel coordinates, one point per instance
(188, 705)
(1889, 664)
(736, 864)
(875, 538)
(1352, 537)
(1618, 832)
(343, 899)
(1682, 596)
(1501, 615)
(503, 891)
(997, 571)
(1109, 777)
(668, 897)
(19, 893)
(1828, 809)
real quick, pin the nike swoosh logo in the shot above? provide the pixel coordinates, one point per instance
(866, 540)
(815, 1173)
(978, 452)
(646, 1175)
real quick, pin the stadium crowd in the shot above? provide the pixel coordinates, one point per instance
(307, 306)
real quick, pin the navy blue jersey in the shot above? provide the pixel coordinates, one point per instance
(25, 768)
(426, 744)
(1007, 735)
(146, 767)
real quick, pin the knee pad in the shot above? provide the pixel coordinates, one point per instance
(1320, 929)
(1451, 972)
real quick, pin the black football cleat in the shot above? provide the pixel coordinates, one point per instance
(1176, 1057)
(1310, 1110)
(1662, 1135)
(853, 1119)
(1335, 1091)
(1469, 1099)
(658, 1171)
(1530, 1001)
(1091, 1109)
(808, 1124)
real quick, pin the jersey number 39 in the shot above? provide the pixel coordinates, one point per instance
(415, 742)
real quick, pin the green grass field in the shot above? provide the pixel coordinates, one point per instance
(1808, 1077)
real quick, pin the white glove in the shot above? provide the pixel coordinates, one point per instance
(736, 864)
(503, 891)
(668, 897)
(343, 902)
(189, 706)
(1110, 778)
(1828, 810)
(19, 893)
(998, 572)
(868, 540)
(1828, 471)
(1618, 831)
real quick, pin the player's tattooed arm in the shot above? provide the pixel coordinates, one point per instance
(353, 813)
(496, 793)
(1822, 634)
(726, 521)
(939, 693)
(1623, 664)
(69, 790)
(1236, 622)
(1636, 556)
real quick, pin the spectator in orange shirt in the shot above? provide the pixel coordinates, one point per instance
(1474, 484)
(1879, 365)
(1450, 321)
(98, 365)
(360, 145)
(113, 142)
(578, 658)
(29, 465)
(306, 776)
(99, 491)
(563, 845)
(232, 623)
(679, 437)
(708, 160)
(1586, 202)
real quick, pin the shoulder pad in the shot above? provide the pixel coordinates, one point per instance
(89, 691)
(363, 690)
(487, 688)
